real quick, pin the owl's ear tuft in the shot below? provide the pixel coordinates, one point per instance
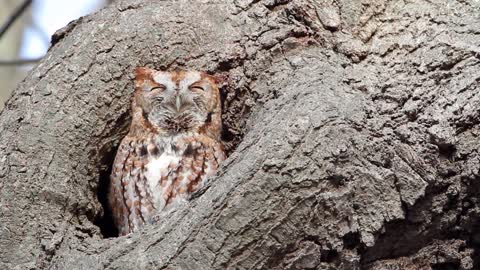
(218, 79)
(143, 74)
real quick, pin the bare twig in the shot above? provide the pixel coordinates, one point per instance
(16, 14)
(19, 62)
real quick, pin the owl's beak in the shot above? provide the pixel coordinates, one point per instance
(178, 103)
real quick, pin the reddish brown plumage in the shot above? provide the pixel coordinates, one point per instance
(172, 148)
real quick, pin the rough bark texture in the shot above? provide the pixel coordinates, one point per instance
(353, 128)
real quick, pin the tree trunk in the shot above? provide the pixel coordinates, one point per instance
(352, 128)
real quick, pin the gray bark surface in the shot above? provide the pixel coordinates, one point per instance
(352, 128)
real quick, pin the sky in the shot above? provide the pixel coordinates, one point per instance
(49, 16)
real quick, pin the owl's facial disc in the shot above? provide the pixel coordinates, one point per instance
(179, 102)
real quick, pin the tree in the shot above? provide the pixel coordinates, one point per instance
(352, 128)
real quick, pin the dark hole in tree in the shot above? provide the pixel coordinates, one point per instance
(476, 257)
(235, 110)
(351, 240)
(227, 136)
(447, 150)
(474, 242)
(230, 139)
(105, 221)
(337, 180)
(328, 255)
(445, 266)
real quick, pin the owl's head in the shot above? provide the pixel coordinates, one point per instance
(176, 102)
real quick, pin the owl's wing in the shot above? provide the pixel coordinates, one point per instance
(130, 196)
(209, 156)
(116, 193)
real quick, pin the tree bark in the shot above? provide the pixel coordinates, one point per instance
(352, 128)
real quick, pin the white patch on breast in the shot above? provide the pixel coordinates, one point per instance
(155, 167)
(158, 167)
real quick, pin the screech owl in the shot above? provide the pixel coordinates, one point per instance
(173, 145)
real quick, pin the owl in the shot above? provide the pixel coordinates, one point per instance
(172, 148)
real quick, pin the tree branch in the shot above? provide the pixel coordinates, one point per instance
(15, 15)
(19, 62)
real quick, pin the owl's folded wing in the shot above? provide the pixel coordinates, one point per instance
(130, 197)
(116, 190)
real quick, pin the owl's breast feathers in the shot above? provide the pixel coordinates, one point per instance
(152, 173)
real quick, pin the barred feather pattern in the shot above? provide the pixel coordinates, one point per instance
(153, 173)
